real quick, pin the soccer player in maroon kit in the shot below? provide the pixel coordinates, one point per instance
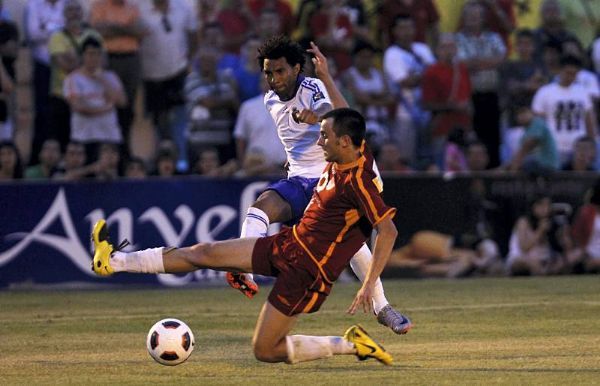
(305, 259)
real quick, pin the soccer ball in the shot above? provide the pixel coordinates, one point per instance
(170, 342)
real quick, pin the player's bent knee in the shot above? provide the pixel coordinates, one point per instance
(265, 353)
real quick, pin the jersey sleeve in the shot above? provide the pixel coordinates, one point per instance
(367, 191)
(539, 102)
(587, 102)
(319, 98)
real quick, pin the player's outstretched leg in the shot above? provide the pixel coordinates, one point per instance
(386, 314)
(229, 255)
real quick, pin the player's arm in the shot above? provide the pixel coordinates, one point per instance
(528, 146)
(384, 242)
(322, 72)
(336, 97)
(366, 192)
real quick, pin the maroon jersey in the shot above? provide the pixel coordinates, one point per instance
(344, 208)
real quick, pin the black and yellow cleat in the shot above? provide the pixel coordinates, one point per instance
(103, 249)
(365, 346)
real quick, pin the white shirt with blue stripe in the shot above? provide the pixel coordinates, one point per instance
(305, 158)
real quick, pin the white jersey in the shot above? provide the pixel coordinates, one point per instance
(305, 158)
(564, 109)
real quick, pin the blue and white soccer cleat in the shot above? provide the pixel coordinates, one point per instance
(393, 319)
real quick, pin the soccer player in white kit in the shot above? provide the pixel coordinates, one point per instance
(295, 102)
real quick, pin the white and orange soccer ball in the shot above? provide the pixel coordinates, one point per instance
(170, 342)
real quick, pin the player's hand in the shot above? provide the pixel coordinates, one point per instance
(319, 61)
(305, 116)
(362, 299)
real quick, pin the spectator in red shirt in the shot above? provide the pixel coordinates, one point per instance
(447, 94)
(423, 12)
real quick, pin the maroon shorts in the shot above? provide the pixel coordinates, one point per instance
(298, 289)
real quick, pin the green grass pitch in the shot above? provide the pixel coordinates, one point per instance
(474, 331)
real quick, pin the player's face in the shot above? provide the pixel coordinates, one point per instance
(329, 141)
(281, 76)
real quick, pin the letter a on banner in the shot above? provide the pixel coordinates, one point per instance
(68, 245)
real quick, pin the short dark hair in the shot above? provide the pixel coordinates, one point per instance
(570, 60)
(281, 46)
(348, 122)
(90, 41)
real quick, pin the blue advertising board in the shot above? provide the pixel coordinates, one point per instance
(45, 227)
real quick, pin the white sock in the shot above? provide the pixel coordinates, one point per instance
(303, 348)
(146, 261)
(360, 264)
(256, 224)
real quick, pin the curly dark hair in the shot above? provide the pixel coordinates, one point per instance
(281, 46)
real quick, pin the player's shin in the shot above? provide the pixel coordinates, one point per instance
(145, 261)
(360, 264)
(256, 224)
(303, 348)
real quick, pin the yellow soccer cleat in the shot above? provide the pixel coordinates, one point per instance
(102, 249)
(366, 347)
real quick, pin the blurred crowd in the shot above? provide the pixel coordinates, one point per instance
(547, 237)
(490, 95)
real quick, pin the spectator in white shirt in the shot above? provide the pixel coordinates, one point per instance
(93, 95)
(404, 63)
(566, 107)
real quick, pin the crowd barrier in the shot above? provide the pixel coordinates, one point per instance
(45, 227)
